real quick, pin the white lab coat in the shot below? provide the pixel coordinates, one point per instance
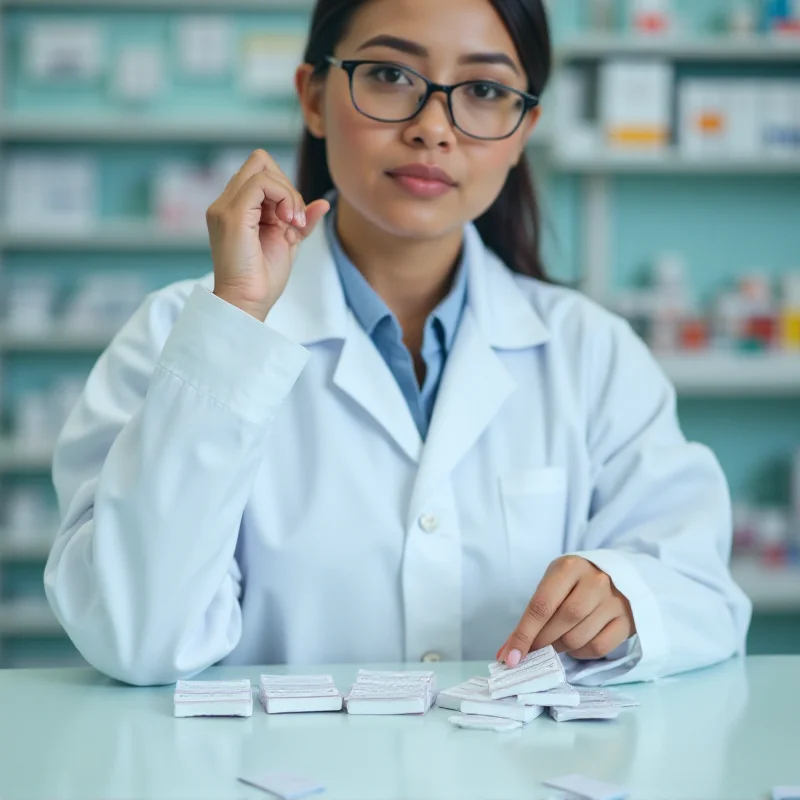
(259, 493)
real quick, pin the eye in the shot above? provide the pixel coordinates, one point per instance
(386, 73)
(488, 91)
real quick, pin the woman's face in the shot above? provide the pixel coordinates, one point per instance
(447, 41)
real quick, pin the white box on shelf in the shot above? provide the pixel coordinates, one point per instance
(575, 133)
(205, 46)
(27, 514)
(29, 302)
(269, 62)
(635, 103)
(744, 131)
(64, 51)
(51, 191)
(705, 116)
(139, 73)
(691, 107)
(794, 92)
(777, 114)
(182, 194)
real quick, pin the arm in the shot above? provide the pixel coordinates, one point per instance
(659, 527)
(153, 471)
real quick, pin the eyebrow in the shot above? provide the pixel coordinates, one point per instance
(414, 49)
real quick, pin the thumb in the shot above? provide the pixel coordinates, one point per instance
(314, 213)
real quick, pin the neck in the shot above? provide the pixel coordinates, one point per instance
(412, 276)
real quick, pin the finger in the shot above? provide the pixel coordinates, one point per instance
(264, 189)
(500, 651)
(588, 595)
(589, 628)
(314, 214)
(559, 580)
(259, 161)
(610, 638)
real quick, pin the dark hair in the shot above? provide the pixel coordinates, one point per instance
(512, 226)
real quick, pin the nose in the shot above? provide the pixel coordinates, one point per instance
(432, 127)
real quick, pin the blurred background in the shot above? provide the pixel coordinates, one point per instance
(668, 160)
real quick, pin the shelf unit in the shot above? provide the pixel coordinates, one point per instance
(759, 48)
(277, 128)
(17, 457)
(35, 548)
(669, 162)
(135, 236)
(719, 374)
(188, 6)
(34, 619)
(772, 589)
(56, 342)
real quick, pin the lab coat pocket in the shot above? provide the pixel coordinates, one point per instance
(535, 511)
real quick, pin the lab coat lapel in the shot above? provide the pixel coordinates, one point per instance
(364, 377)
(313, 309)
(476, 384)
(474, 387)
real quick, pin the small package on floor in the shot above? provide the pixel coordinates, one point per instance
(290, 694)
(566, 695)
(391, 693)
(539, 671)
(213, 699)
(472, 689)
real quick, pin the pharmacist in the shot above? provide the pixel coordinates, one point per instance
(378, 432)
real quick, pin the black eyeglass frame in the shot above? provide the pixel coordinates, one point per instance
(530, 101)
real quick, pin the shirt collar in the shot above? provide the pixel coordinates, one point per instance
(369, 307)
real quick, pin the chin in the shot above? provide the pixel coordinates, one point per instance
(417, 219)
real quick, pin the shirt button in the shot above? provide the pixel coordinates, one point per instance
(428, 523)
(431, 658)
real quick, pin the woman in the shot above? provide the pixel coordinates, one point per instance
(377, 433)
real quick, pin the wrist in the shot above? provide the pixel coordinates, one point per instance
(256, 310)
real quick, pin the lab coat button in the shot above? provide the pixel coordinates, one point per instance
(431, 658)
(428, 523)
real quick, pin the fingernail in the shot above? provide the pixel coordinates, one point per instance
(513, 658)
(301, 219)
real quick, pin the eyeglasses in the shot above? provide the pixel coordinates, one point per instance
(388, 92)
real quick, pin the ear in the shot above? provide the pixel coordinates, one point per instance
(528, 127)
(310, 93)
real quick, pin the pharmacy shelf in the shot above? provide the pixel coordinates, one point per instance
(55, 342)
(17, 457)
(772, 589)
(35, 548)
(122, 235)
(281, 127)
(670, 162)
(172, 5)
(29, 619)
(755, 48)
(736, 375)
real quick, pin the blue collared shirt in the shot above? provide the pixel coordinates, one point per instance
(382, 326)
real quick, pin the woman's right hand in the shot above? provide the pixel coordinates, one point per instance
(255, 227)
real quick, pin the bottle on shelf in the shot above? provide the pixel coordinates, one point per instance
(790, 313)
(761, 327)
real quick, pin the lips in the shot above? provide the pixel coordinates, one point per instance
(423, 172)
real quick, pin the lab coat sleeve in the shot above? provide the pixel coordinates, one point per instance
(659, 524)
(153, 470)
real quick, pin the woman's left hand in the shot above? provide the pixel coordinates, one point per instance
(577, 609)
